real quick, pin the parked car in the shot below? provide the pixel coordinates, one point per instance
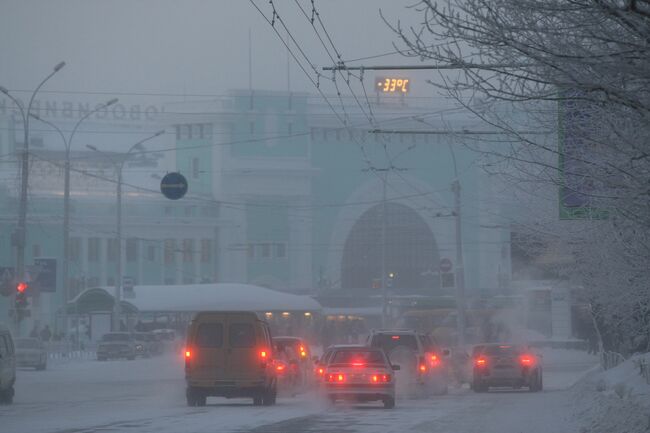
(229, 354)
(510, 365)
(30, 352)
(423, 362)
(116, 345)
(360, 374)
(7, 366)
(147, 344)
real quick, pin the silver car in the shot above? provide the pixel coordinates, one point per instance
(30, 352)
(360, 374)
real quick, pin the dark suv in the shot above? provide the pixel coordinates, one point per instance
(506, 365)
(420, 358)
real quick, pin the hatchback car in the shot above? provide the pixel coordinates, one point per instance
(30, 352)
(422, 360)
(506, 365)
(360, 373)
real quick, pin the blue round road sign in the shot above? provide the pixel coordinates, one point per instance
(173, 186)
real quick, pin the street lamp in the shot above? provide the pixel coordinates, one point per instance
(22, 208)
(67, 142)
(118, 162)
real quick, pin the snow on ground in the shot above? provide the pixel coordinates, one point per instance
(616, 400)
(148, 396)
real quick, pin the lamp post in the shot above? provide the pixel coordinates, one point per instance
(24, 175)
(118, 162)
(67, 142)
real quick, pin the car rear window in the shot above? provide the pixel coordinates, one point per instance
(241, 335)
(502, 350)
(209, 335)
(388, 342)
(358, 356)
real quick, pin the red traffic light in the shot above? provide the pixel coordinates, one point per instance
(21, 287)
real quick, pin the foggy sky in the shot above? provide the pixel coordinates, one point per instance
(180, 47)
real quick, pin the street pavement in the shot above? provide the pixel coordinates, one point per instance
(147, 395)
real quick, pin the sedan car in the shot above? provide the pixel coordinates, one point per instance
(360, 374)
(499, 365)
(117, 345)
(30, 352)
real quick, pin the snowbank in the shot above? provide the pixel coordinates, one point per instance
(616, 400)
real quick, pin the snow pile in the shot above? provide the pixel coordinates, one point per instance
(616, 400)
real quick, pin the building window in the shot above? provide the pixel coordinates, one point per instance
(206, 250)
(187, 279)
(36, 250)
(93, 249)
(131, 249)
(169, 281)
(195, 168)
(289, 128)
(178, 132)
(190, 211)
(266, 250)
(111, 250)
(93, 282)
(168, 211)
(75, 249)
(280, 250)
(188, 250)
(170, 247)
(110, 281)
(151, 253)
(197, 131)
(251, 127)
(250, 251)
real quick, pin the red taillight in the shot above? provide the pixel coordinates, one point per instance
(335, 377)
(280, 367)
(188, 355)
(264, 354)
(395, 337)
(380, 378)
(527, 360)
(358, 364)
(303, 352)
(423, 368)
(433, 359)
(320, 371)
(480, 362)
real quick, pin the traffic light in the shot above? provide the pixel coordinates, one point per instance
(21, 304)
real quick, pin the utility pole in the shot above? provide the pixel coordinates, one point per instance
(21, 235)
(67, 142)
(460, 267)
(119, 167)
(384, 289)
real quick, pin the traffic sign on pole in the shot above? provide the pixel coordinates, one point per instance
(173, 186)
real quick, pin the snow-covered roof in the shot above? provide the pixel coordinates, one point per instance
(221, 296)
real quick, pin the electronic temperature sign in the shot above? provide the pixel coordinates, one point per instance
(392, 85)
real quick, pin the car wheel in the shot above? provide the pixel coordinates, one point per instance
(257, 401)
(389, 402)
(535, 384)
(7, 396)
(269, 397)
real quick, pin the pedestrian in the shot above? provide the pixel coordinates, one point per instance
(46, 334)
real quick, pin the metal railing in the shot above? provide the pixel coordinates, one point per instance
(611, 359)
(63, 350)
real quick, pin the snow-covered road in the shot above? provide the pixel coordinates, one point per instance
(148, 396)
